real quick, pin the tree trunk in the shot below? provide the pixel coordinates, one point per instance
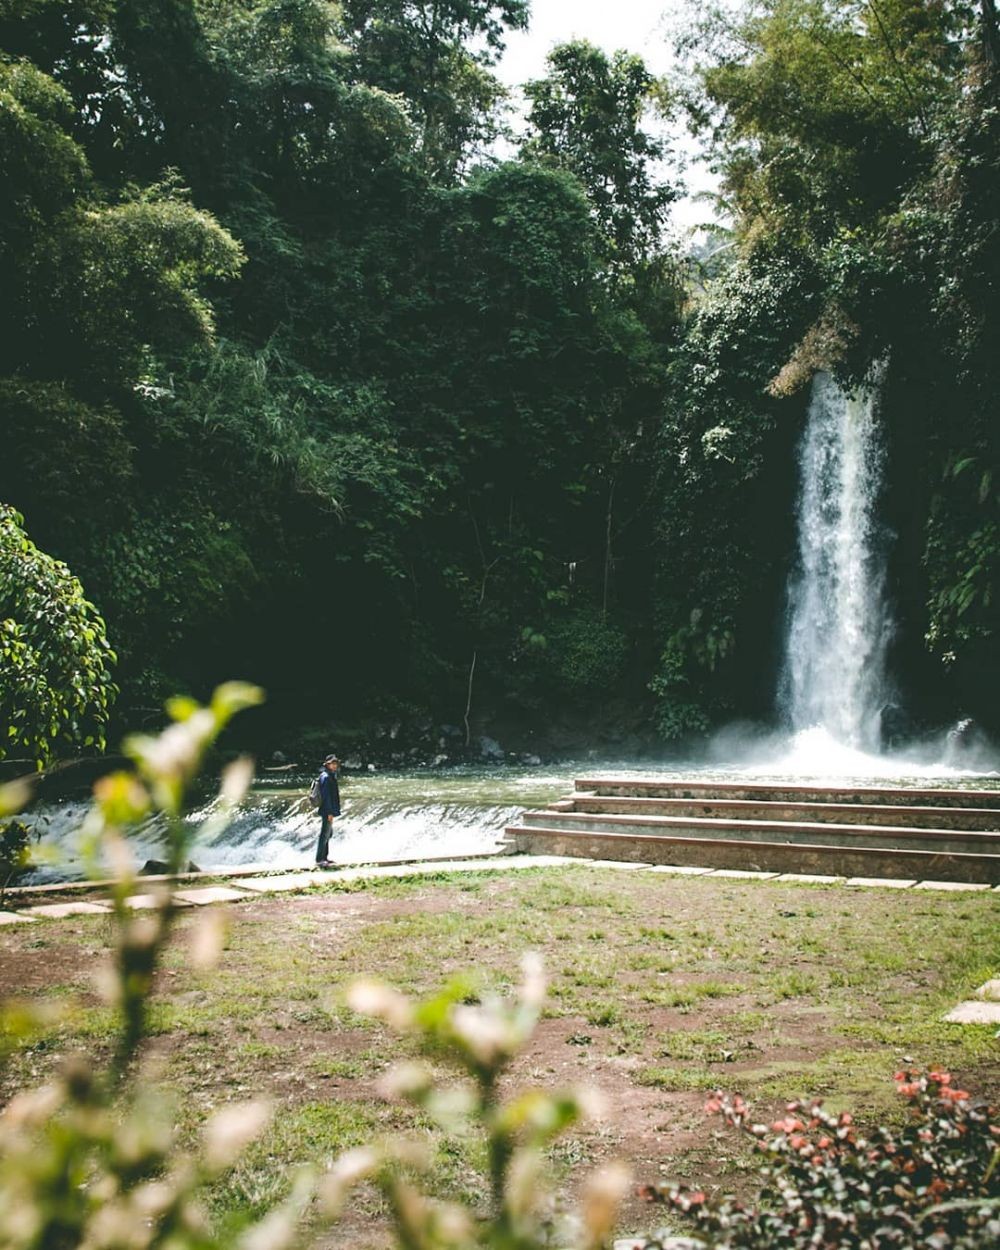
(607, 547)
(991, 36)
(468, 700)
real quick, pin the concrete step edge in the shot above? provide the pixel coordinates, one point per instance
(639, 803)
(917, 833)
(822, 848)
(598, 786)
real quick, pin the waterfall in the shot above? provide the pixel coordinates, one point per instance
(839, 626)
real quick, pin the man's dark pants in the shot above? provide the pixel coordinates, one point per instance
(323, 845)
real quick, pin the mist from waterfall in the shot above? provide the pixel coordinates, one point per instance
(834, 681)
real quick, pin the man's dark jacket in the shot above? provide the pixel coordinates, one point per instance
(329, 794)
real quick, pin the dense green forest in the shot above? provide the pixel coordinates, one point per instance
(307, 383)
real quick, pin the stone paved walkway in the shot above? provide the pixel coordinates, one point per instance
(244, 887)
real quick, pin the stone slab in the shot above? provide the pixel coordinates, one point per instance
(10, 917)
(149, 902)
(277, 885)
(211, 894)
(990, 991)
(376, 873)
(810, 878)
(741, 874)
(623, 864)
(949, 885)
(974, 1013)
(741, 849)
(696, 788)
(23, 894)
(890, 883)
(359, 872)
(533, 861)
(496, 861)
(58, 911)
(680, 870)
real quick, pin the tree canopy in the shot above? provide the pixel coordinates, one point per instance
(294, 364)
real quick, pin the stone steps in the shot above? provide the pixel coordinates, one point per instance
(895, 816)
(817, 832)
(871, 832)
(786, 792)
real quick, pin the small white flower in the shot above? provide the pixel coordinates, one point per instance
(372, 998)
(486, 1036)
(231, 1130)
(236, 780)
(352, 1167)
(602, 1196)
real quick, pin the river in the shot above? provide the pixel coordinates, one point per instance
(427, 813)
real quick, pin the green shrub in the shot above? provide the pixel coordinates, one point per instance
(15, 839)
(586, 653)
(93, 1159)
(55, 661)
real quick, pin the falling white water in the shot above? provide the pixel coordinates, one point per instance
(839, 626)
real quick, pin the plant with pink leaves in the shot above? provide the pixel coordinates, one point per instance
(933, 1184)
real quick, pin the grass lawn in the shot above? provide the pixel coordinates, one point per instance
(661, 988)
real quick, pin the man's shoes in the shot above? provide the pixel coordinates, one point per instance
(325, 863)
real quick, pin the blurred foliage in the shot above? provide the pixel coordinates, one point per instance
(94, 1157)
(479, 1035)
(15, 852)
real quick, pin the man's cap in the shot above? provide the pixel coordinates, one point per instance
(331, 759)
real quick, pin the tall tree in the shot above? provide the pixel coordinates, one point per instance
(825, 110)
(587, 116)
(437, 55)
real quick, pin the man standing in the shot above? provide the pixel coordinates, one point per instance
(329, 806)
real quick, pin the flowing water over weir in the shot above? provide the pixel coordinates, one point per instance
(386, 816)
(839, 625)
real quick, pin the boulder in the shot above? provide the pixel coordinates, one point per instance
(490, 749)
(160, 868)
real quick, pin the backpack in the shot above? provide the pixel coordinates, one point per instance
(315, 793)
